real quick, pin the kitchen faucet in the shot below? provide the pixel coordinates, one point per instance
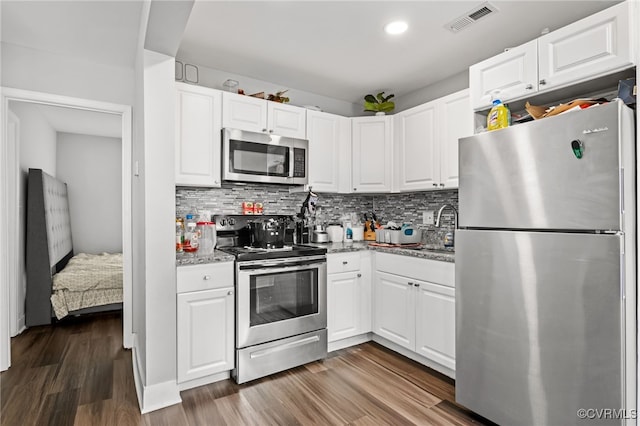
(455, 216)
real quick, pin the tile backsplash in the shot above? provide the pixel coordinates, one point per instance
(406, 207)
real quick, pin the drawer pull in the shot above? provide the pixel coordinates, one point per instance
(344, 262)
(410, 283)
(417, 284)
(206, 277)
(359, 275)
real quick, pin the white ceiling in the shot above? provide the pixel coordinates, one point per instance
(333, 48)
(104, 32)
(83, 122)
(339, 49)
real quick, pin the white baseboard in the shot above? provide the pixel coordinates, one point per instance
(204, 380)
(414, 356)
(349, 341)
(22, 325)
(154, 397)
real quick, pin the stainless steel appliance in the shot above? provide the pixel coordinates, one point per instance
(546, 270)
(281, 302)
(266, 158)
(268, 233)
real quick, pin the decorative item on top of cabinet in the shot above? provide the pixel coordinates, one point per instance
(259, 115)
(380, 104)
(593, 47)
(198, 136)
(372, 153)
(329, 138)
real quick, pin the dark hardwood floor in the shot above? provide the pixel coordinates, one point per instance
(76, 372)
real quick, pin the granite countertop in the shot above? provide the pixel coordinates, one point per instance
(426, 252)
(199, 258)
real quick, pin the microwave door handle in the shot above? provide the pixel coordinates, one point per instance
(291, 162)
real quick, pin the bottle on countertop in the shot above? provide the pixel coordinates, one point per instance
(179, 236)
(191, 235)
(499, 116)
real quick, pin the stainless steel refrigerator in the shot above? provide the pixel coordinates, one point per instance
(546, 270)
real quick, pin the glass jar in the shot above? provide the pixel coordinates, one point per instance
(207, 237)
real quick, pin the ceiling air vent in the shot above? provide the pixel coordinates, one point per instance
(471, 17)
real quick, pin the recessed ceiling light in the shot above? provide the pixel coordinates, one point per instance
(396, 27)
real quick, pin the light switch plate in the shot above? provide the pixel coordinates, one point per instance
(427, 217)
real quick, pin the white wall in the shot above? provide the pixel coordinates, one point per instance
(92, 168)
(37, 150)
(209, 77)
(434, 91)
(40, 71)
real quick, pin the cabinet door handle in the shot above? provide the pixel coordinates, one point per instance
(359, 275)
(354, 189)
(344, 262)
(206, 277)
(230, 293)
(529, 87)
(264, 130)
(410, 283)
(270, 130)
(543, 82)
(417, 284)
(442, 184)
(435, 184)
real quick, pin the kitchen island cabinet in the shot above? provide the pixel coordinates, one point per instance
(414, 309)
(205, 323)
(198, 136)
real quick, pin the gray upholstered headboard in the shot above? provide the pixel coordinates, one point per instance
(49, 245)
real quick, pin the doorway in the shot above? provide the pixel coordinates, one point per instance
(10, 172)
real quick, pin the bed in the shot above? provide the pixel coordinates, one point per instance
(59, 283)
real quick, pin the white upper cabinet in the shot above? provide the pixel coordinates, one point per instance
(455, 122)
(244, 112)
(427, 142)
(418, 163)
(198, 133)
(596, 45)
(372, 153)
(329, 138)
(286, 120)
(509, 75)
(259, 115)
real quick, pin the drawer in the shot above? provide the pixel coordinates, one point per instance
(205, 277)
(343, 262)
(432, 271)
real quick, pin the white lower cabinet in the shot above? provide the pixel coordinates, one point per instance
(348, 295)
(205, 321)
(416, 314)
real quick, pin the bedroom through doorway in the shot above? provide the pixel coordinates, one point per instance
(87, 145)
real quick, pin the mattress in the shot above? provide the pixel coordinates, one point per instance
(88, 280)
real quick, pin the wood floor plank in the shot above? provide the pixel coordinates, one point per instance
(76, 372)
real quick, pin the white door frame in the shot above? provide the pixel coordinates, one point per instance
(8, 217)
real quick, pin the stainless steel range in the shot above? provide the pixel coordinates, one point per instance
(281, 297)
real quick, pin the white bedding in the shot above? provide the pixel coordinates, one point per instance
(87, 280)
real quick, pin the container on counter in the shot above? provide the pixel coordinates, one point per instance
(336, 234)
(179, 237)
(358, 232)
(207, 237)
(191, 235)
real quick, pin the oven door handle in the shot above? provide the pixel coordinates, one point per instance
(281, 266)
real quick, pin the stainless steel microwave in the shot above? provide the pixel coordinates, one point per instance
(266, 158)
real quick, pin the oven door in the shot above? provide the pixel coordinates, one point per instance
(279, 298)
